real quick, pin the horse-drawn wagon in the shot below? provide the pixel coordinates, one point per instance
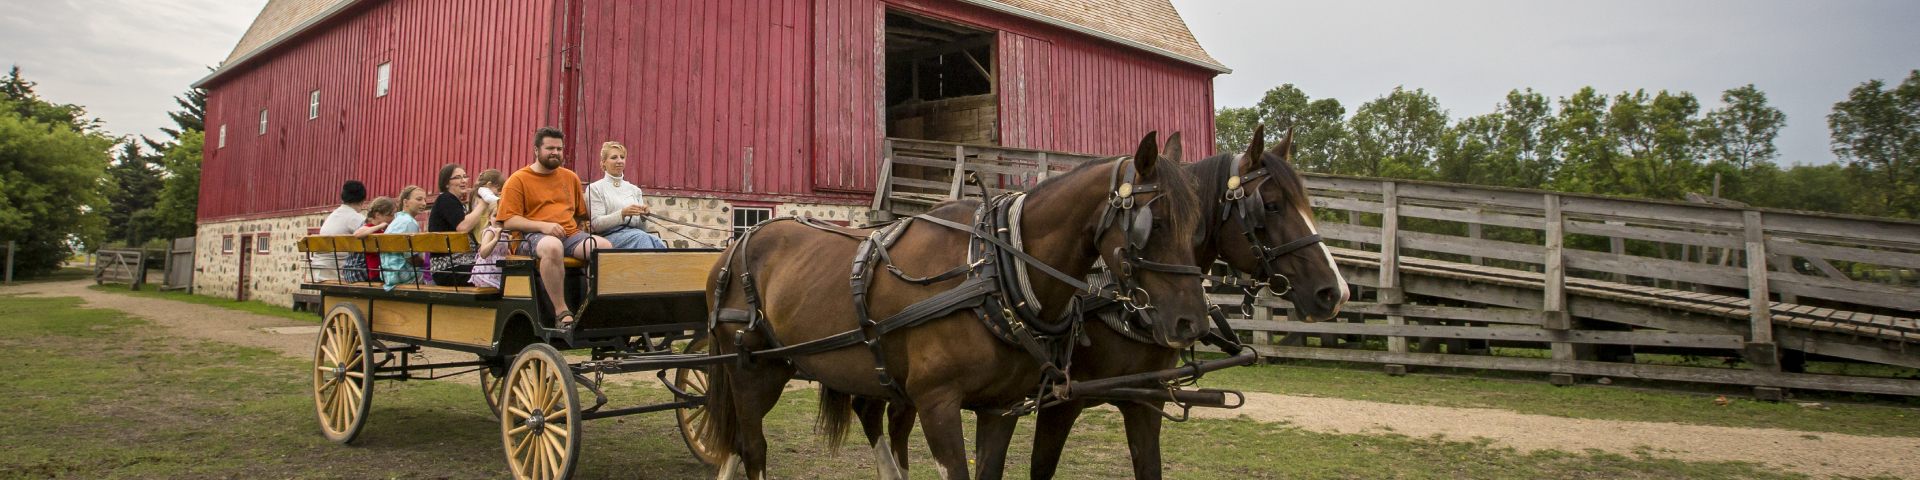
(638, 310)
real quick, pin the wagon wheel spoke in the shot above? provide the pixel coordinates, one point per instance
(557, 452)
(556, 430)
(518, 414)
(554, 417)
(555, 393)
(328, 352)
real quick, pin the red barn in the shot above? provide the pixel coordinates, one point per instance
(732, 109)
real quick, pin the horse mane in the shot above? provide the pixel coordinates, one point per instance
(1209, 170)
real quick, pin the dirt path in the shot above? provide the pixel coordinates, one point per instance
(1820, 454)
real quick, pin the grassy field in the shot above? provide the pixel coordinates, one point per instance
(95, 394)
(182, 296)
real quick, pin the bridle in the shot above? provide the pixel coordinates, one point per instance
(1241, 202)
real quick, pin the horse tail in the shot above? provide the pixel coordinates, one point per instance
(721, 430)
(836, 413)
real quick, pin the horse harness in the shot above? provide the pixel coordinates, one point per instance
(996, 286)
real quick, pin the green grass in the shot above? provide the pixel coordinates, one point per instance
(249, 306)
(61, 275)
(96, 394)
(1505, 390)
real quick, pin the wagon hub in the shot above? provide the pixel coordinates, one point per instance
(339, 372)
(536, 420)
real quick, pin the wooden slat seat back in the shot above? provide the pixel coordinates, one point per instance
(441, 242)
(434, 242)
(654, 273)
(390, 243)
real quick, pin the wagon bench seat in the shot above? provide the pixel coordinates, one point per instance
(428, 242)
(570, 262)
(376, 289)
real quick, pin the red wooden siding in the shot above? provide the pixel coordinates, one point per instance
(469, 85)
(848, 85)
(690, 99)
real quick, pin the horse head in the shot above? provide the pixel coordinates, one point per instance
(1151, 200)
(1268, 230)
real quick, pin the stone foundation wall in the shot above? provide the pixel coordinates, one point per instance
(276, 275)
(272, 276)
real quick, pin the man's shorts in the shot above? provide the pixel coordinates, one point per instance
(567, 246)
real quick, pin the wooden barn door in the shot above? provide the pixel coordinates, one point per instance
(246, 268)
(848, 85)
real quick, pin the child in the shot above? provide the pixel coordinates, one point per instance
(365, 267)
(493, 249)
(400, 267)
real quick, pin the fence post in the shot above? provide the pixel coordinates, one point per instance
(1046, 169)
(10, 247)
(1474, 232)
(1390, 292)
(1762, 352)
(959, 171)
(1553, 307)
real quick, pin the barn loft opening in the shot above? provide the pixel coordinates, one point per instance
(940, 81)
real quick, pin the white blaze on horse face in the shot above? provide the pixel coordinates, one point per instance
(1306, 217)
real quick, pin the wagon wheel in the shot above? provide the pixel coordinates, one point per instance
(693, 420)
(343, 374)
(490, 384)
(540, 418)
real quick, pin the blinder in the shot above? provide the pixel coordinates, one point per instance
(1243, 197)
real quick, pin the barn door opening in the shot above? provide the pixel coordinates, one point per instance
(940, 81)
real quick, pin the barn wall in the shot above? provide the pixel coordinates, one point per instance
(470, 84)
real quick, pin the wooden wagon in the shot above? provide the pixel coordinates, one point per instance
(637, 310)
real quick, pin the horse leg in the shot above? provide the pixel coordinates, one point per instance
(885, 459)
(991, 441)
(1143, 437)
(756, 390)
(900, 432)
(1050, 437)
(946, 435)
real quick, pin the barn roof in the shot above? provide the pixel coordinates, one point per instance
(1151, 25)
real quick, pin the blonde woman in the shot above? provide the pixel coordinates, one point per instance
(618, 206)
(403, 268)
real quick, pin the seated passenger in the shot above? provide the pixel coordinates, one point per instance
(328, 267)
(453, 212)
(398, 268)
(619, 208)
(365, 267)
(493, 243)
(543, 202)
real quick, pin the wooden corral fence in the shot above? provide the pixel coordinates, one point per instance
(920, 173)
(1563, 284)
(179, 265)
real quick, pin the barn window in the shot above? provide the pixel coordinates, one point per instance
(940, 81)
(263, 121)
(260, 243)
(223, 136)
(383, 77)
(746, 217)
(226, 244)
(313, 105)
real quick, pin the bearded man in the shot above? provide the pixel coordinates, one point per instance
(544, 205)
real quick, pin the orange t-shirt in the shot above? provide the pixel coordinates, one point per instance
(552, 197)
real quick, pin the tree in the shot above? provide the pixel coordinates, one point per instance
(1738, 138)
(1659, 139)
(52, 160)
(1318, 125)
(192, 116)
(1397, 135)
(175, 213)
(136, 177)
(1876, 130)
(1587, 148)
(1233, 128)
(1509, 147)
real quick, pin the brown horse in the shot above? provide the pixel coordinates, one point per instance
(782, 285)
(1257, 190)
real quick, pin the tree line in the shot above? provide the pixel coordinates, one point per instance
(67, 185)
(1662, 145)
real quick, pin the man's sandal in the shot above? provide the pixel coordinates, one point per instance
(564, 320)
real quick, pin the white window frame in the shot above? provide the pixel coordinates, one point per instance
(260, 243)
(382, 79)
(263, 122)
(739, 212)
(223, 136)
(313, 104)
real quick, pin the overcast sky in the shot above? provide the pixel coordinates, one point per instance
(125, 59)
(1804, 54)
